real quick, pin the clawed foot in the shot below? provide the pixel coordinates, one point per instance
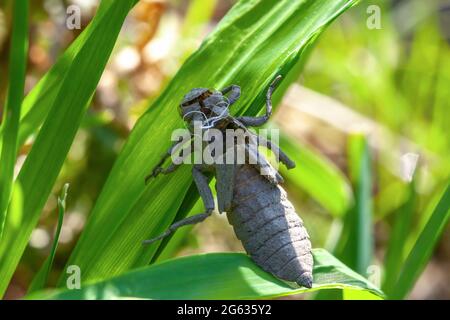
(276, 81)
(289, 164)
(154, 174)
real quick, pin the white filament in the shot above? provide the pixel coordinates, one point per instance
(211, 122)
(195, 111)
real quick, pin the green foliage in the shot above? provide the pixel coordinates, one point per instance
(50, 148)
(10, 125)
(423, 248)
(253, 43)
(361, 234)
(395, 256)
(216, 276)
(40, 279)
(355, 245)
(356, 242)
(395, 76)
(38, 102)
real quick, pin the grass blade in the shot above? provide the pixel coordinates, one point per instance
(216, 276)
(357, 247)
(423, 248)
(47, 155)
(395, 255)
(18, 61)
(255, 41)
(41, 278)
(37, 103)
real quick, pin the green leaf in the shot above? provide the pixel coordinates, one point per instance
(357, 242)
(216, 276)
(349, 294)
(40, 279)
(18, 55)
(423, 248)
(318, 177)
(47, 155)
(38, 102)
(254, 42)
(395, 255)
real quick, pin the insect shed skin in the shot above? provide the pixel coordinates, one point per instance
(270, 230)
(257, 207)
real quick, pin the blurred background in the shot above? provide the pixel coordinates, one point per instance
(388, 81)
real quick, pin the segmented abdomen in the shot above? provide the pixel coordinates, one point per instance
(270, 230)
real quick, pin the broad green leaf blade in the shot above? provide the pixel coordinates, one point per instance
(47, 155)
(423, 248)
(214, 276)
(357, 245)
(318, 177)
(18, 55)
(349, 294)
(254, 42)
(41, 278)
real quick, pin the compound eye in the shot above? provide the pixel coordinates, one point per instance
(187, 112)
(205, 110)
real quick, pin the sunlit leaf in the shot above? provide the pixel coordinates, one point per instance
(18, 55)
(216, 276)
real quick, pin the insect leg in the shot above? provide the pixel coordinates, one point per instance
(235, 93)
(184, 222)
(283, 158)
(259, 121)
(261, 163)
(159, 169)
(171, 168)
(201, 182)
